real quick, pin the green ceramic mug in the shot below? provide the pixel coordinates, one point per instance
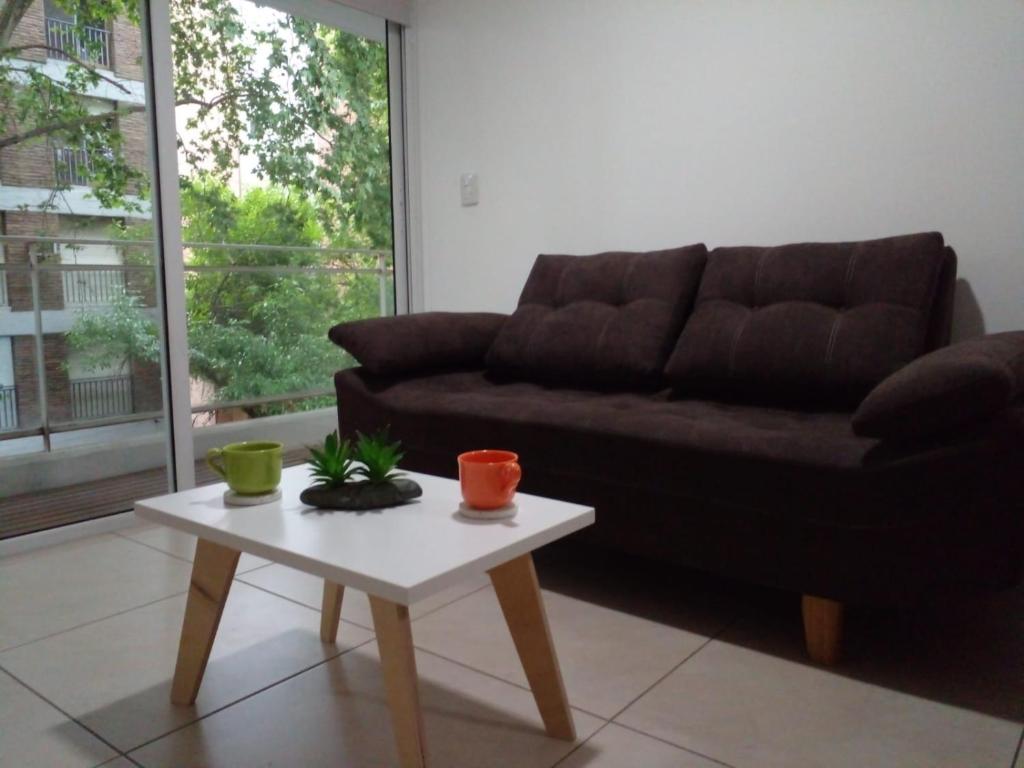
(250, 468)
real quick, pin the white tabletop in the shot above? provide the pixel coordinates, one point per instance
(402, 554)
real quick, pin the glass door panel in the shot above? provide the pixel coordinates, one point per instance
(284, 157)
(83, 432)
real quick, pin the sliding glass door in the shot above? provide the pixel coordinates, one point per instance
(190, 196)
(284, 159)
(83, 428)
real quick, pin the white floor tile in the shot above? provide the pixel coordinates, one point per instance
(54, 589)
(355, 607)
(35, 735)
(607, 657)
(336, 715)
(748, 708)
(181, 544)
(114, 676)
(616, 747)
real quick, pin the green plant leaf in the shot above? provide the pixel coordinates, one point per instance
(332, 466)
(379, 457)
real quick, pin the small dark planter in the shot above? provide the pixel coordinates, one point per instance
(362, 495)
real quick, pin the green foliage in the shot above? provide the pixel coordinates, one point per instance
(118, 334)
(256, 334)
(38, 107)
(308, 102)
(378, 456)
(310, 105)
(332, 466)
(251, 334)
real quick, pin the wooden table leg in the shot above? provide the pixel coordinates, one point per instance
(518, 591)
(397, 659)
(212, 572)
(330, 611)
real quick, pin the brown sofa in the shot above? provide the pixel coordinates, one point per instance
(791, 415)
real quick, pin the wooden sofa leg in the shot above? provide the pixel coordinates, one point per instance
(823, 628)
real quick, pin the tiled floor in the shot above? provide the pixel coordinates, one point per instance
(665, 669)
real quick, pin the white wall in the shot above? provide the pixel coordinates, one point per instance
(637, 124)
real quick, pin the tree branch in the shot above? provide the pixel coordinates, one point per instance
(70, 57)
(188, 100)
(42, 130)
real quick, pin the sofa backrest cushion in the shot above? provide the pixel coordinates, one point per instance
(809, 323)
(608, 320)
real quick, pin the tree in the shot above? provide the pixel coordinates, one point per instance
(251, 333)
(254, 334)
(309, 103)
(121, 335)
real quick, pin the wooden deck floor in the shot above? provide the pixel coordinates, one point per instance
(30, 512)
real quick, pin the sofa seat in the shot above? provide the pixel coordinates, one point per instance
(774, 496)
(821, 439)
(804, 463)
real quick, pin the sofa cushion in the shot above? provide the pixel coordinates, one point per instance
(604, 320)
(745, 457)
(423, 341)
(790, 499)
(821, 439)
(946, 390)
(810, 322)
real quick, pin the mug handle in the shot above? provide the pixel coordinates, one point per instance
(511, 474)
(211, 460)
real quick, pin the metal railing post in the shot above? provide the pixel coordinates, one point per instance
(382, 281)
(37, 310)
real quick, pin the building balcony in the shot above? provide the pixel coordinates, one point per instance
(101, 397)
(67, 41)
(94, 288)
(71, 166)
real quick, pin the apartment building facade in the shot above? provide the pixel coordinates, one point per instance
(45, 193)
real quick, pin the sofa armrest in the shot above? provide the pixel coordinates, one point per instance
(430, 340)
(945, 390)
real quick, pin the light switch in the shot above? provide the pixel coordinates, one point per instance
(469, 186)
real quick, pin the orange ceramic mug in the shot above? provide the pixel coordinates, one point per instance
(489, 478)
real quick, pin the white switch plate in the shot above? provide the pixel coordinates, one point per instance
(469, 188)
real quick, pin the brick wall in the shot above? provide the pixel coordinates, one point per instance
(58, 386)
(146, 386)
(31, 31)
(126, 49)
(19, 285)
(135, 133)
(146, 391)
(28, 164)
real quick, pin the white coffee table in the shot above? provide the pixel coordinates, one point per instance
(397, 556)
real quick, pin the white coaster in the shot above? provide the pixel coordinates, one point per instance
(501, 513)
(233, 499)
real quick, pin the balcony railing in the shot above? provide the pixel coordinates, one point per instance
(71, 166)
(67, 41)
(98, 287)
(101, 397)
(8, 408)
(341, 262)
